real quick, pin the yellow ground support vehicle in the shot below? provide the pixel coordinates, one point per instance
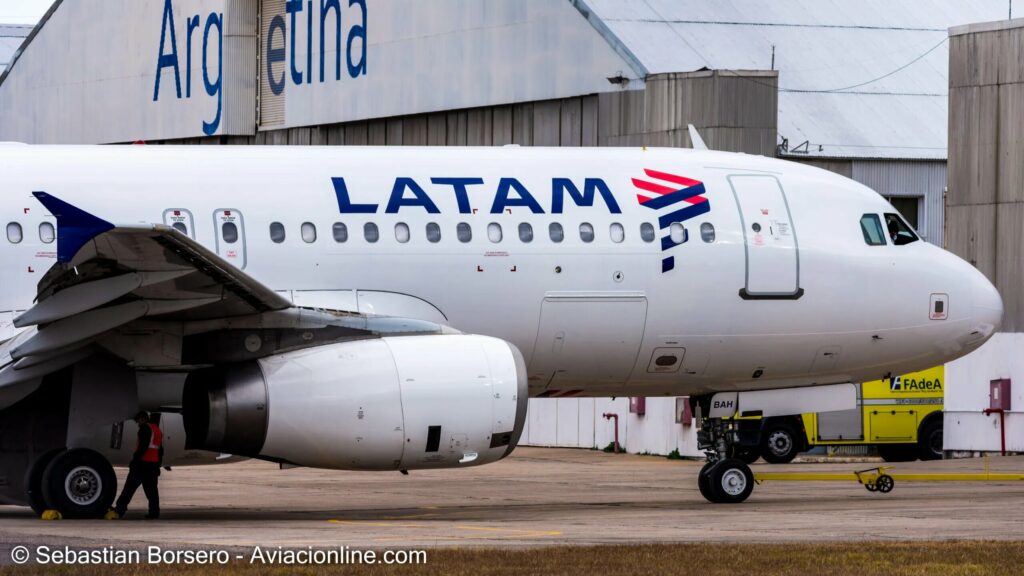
(902, 416)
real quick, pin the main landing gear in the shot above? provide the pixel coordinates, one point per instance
(78, 483)
(726, 478)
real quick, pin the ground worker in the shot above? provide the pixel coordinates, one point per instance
(144, 468)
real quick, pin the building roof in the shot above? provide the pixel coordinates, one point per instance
(857, 78)
(11, 37)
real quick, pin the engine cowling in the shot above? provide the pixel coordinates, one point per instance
(411, 402)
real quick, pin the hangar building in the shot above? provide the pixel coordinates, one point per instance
(859, 88)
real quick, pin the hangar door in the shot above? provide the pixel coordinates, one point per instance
(586, 337)
(772, 251)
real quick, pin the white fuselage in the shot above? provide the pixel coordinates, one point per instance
(776, 285)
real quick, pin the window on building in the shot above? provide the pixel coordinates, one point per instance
(308, 232)
(707, 232)
(433, 233)
(229, 231)
(14, 233)
(908, 207)
(871, 227)
(277, 233)
(371, 232)
(618, 233)
(494, 232)
(464, 232)
(402, 232)
(340, 232)
(556, 232)
(900, 232)
(526, 232)
(647, 232)
(47, 233)
(587, 232)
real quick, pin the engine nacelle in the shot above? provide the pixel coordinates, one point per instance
(398, 403)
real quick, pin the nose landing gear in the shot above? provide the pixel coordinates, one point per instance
(723, 479)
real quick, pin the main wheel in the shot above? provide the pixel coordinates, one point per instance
(79, 483)
(779, 443)
(34, 481)
(929, 440)
(898, 452)
(731, 481)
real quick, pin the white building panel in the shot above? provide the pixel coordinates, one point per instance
(967, 395)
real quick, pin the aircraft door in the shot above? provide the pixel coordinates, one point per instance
(772, 251)
(181, 220)
(230, 232)
(586, 338)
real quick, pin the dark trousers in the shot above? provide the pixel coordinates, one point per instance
(146, 475)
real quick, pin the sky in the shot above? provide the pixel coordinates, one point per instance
(23, 11)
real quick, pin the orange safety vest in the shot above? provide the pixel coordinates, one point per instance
(156, 440)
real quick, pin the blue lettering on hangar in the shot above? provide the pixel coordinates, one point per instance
(276, 43)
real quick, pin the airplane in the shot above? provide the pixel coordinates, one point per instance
(372, 308)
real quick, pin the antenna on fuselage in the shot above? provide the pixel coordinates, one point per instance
(696, 142)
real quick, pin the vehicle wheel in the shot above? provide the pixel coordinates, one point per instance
(731, 481)
(898, 452)
(779, 444)
(748, 454)
(704, 483)
(929, 440)
(34, 481)
(79, 483)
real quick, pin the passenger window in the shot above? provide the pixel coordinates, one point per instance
(587, 232)
(277, 234)
(900, 232)
(677, 232)
(433, 233)
(556, 232)
(229, 231)
(340, 232)
(617, 232)
(308, 232)
(180, 227)
(494, 232)
(526, 232)
(647, 232)
(465, 232)
(707, 232)
(47, 234)
(402, 232)
(14, 233)
(370, 232)
(871, 227)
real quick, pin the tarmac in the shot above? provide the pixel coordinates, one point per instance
(536, 497)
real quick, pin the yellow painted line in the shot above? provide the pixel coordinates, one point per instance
(898, 476)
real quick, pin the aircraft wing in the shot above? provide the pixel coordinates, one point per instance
(159, 300)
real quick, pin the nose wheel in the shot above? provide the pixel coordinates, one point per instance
(728, 481)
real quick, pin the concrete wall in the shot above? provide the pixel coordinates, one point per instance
(985, 218)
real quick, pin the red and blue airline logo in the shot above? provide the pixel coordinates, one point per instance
(679, 198)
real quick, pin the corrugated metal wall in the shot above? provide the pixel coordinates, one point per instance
(986, 159)
(919, 179)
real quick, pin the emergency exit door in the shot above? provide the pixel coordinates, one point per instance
(772, 250)
(230, 233)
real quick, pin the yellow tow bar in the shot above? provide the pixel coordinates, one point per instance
(881, 480)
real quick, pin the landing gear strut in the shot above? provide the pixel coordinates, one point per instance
(724, 479)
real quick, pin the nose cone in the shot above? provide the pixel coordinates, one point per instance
(987, 314)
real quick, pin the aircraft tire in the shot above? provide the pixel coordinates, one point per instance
(731, 481)
(704, 483)
(34, 481)
(79, 483)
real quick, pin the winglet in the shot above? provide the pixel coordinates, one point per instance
(75, 227)
(697, 143)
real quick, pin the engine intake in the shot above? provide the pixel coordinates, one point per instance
(411, 402)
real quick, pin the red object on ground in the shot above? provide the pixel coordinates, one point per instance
(1002, 425)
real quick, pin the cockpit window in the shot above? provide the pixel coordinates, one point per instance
(900, 232)
(871, 226)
